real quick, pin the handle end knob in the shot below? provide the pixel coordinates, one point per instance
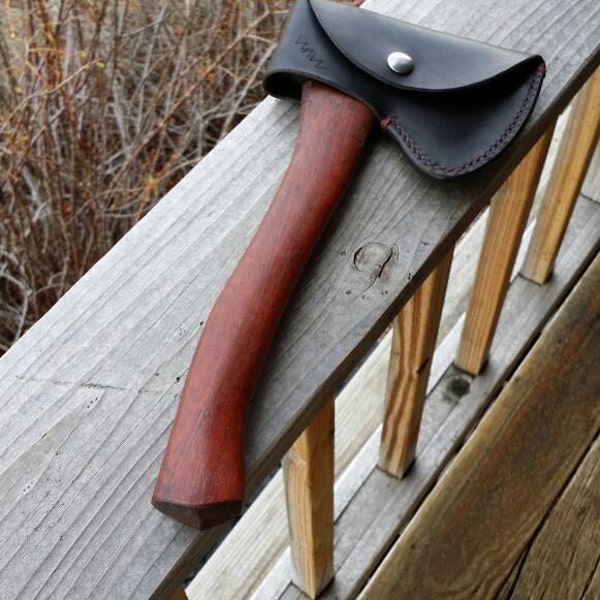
(203, 516)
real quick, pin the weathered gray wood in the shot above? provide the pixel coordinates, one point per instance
(231, 572)
(87, 396)
(473, 526)
(380, 508)
(365, 389)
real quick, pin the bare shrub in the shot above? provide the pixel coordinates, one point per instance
(104, 106)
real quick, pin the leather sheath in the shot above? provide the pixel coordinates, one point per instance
(459, 107)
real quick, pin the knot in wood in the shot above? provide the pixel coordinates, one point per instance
(372, 258)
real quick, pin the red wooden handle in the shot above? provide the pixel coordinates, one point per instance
(201, 480)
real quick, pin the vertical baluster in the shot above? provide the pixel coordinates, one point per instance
(308, 474)
(574, 156)
(507, 219)
(179, 594)
(413, 343)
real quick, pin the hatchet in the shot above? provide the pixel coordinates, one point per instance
(452, 104)
(201, 480)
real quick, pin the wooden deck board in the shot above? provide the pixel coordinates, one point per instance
(87, 396)
(562, 561)
(474, 525)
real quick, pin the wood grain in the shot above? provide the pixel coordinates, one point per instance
(308, 476)
(231, 573)
(88, 395)
(509, 211)
(179, 594)
(413, 343)
(575, 153)
(201, 478)
(562, 562)
(508, 585)
(379, 506)
(473, 526)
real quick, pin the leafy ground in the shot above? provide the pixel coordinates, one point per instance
(104, 106)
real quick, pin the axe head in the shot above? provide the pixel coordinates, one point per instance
(453, 104)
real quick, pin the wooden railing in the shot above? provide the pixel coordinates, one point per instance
(89, 393)
(309, 464)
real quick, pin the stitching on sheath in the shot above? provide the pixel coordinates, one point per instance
(491, 151)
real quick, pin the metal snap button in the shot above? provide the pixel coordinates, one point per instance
(400, 63)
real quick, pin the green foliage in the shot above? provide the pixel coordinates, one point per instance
(104, 106)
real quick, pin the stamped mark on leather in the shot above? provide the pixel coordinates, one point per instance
(309, 52)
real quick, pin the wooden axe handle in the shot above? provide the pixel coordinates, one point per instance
(201, 480)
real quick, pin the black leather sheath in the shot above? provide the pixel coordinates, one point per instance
(461, 104)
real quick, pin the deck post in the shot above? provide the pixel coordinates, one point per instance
(574, 155)
(413, 343)
(309, 477)
(509, 211)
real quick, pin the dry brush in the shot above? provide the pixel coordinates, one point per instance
(105, 105)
